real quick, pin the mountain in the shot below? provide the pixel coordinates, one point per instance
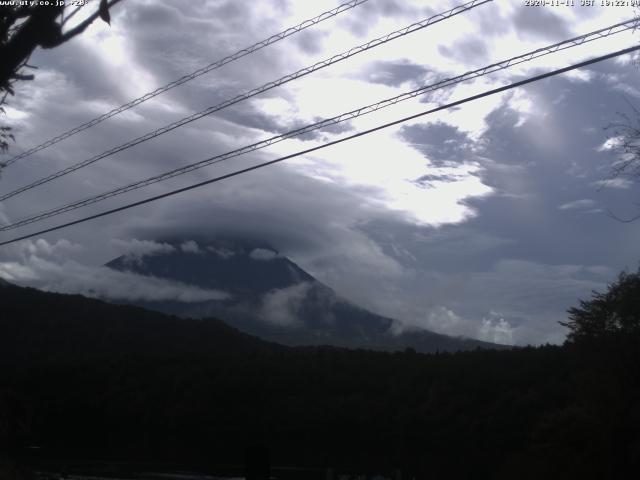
(40, 326)
(274, 299)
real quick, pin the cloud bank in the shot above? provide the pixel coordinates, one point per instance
(46, 266)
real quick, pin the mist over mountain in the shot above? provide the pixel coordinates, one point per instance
(269, 296)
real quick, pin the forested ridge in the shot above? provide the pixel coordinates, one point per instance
(83, 379)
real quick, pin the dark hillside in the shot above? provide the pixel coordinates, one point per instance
(83, 380)
(38, 326)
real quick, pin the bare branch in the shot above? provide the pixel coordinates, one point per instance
(78, 29)
(627, 132)
(623, 220)
(70, 16)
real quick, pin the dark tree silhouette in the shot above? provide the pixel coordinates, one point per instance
(23, 28)
(617, 311)
(604, 340)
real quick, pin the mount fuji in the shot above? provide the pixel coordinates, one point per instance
(269, 296)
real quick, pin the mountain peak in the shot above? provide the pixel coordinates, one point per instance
(238, 267)
(270, 296)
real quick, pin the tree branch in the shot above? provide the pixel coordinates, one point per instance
(70, 16)
(78, 29)
(623, 220)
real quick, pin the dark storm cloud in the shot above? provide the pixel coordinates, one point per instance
(469, 52)
(533, 158)
(341, 127)
(297, 217)
(170, 50)
(189, 38)
(372, 12)
(433, 181)
(540, 22)
(310, 41)
(395, 74)
(249, 115)
(156, 15)
(493, 23)
(440, 142)
(91, 86)
(473, 248)
(88, 74)
(158, 25)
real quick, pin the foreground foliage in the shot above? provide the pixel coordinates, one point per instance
(83, 379)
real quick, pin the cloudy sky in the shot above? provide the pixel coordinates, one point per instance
(488, 220)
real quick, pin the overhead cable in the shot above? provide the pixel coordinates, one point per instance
(256, 91)
(325, 145)
(186, 78)
(573, 42)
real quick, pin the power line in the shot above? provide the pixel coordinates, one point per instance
(256, 91)
(186, 78)
(570, 43)
(335, 142)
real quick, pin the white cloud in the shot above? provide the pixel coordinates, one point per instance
(619, 183)
(444, 320)
(135, 249)
(496, 330)
(579, 75)
(610, 144)
(492, 328)
(513, 302)
(23, 250)
(282, 307)
(221, 252)
(190, 246)
(44, 266)
(582, 204)
(388, 175)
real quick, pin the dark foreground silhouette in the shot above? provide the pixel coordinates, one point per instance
(116, 389)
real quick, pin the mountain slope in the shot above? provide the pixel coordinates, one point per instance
(273, 298)
(64, 328)
(122, 388)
